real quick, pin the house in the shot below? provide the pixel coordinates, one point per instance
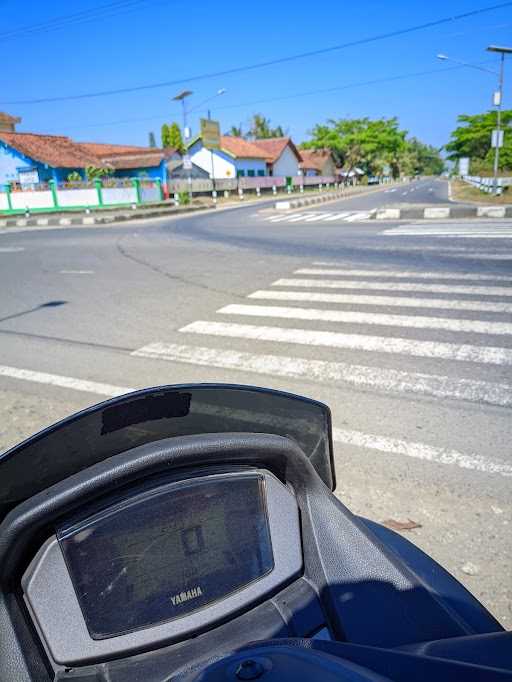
(235, 158)
(129, 161)
(317, 162)
(283, 157)
(32, 158)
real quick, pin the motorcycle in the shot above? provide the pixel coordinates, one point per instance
(192, 533)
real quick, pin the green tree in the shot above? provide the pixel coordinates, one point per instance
(95, 173)
(152, 140)
(164, 135)
(74, 176)
(473, 139)
(175, 138)
(261, 128)
(236, 131)
(362, 142)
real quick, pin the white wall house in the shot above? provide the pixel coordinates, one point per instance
(283, 157)
(236, 158)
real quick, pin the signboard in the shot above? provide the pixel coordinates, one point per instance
(30, 176)
(496, 98)
(210, 133)
(464, 166)
(497, 138)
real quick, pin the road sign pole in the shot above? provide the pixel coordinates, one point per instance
(498, 127)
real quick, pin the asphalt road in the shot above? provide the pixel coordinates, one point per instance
(405, 330)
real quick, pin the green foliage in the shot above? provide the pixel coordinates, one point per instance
(94, 173)
(374, 145)
(74, 176)
(183, 198)
(152, 140)
(236, 131)
(261, 128)
(165, 135)
(473, 139)
(171, 137)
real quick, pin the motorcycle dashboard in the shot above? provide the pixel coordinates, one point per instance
(162, 564)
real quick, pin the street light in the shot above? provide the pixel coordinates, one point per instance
(501, 51)
(181, 97)
(445, 58)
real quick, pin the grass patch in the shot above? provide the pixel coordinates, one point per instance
(461, 191)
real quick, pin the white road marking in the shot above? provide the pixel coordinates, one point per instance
(355, 438)
(299, 216)
(279, 218)
(394, 286)
(337, 216)
(396, 301)
(350, 317)
(358, 216)
(388, 380)
(479, 256)
(11, 249)
(377, 344)
(63, 381)
(405, 274)
(422, 451)
(77, 272)
(317, 216)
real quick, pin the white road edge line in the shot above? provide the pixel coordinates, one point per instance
(64, 382)
(420, 451)
(380, 319)
(355, 438)
(376, 344)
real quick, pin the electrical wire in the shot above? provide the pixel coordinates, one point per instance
(259, 65)
(103, 11)
(307, 93)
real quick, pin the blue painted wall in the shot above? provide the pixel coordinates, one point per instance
(11, 161)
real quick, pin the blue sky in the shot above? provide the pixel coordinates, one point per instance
(159, 40)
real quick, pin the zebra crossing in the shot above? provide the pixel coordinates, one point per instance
(457, 230)
(448, 303)
(321, 217)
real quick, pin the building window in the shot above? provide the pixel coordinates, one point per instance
(261, 173)
(251, 173)
(240, 173)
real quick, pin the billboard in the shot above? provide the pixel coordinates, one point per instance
(464, 166)
(210, 133)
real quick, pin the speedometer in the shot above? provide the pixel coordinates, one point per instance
(167, 551)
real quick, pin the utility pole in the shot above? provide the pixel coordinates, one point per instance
(181, 97)
(498, 101)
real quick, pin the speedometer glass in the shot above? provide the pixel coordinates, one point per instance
(167, 551)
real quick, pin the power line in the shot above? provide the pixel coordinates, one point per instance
(63, 21)
(307, 93)
(272, 62)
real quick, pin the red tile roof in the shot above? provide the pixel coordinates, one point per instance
(127, 156)
(56, 151)
(101, 149)
(314, 158)
(240, 148)
(274, 147)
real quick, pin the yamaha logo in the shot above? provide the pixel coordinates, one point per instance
(187, 596)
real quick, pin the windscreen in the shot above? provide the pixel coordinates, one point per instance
(153, 414)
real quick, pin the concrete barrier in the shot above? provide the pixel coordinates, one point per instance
(436, 212)
(388, 214)
(491, 211)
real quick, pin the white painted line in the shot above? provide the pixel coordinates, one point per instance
(11, 249)
(77, 272)
(454, 235)
(337, 216)
(422, 451)
(317, 216)
(63, 381)
(394, 286)
(479, 256)
(377, 344)
(296, 217)
(350, 317)
(355, 438)
(388, 380)
(405, 274)
(279, 218)
(396, 301)
(359, 216)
